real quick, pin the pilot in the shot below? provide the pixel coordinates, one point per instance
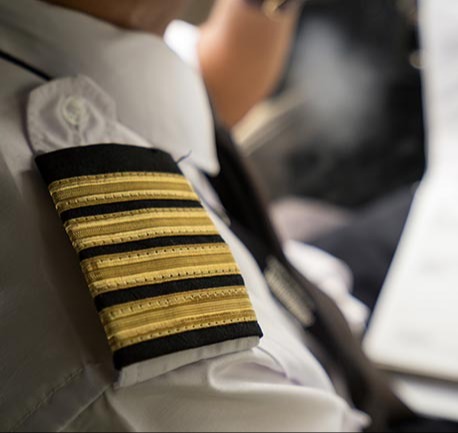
(142, 286)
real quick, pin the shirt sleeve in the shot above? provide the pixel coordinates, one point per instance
(242, 392)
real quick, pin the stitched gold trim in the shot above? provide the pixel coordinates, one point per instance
(119, 187)
(98, 199)
(121, 259)
(100, 189)
(165, 319)
(165, 302)
(116, 226)
(160, 264)
(95, 220)
(146, 320)
(191, 325)
(83, 181)
(151, 278)
(182, 319)
(157, 232)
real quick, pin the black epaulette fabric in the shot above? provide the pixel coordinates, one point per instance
(162, 279)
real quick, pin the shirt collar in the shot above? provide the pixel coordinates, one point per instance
(157, 94)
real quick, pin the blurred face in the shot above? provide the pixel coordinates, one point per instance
(146, 15)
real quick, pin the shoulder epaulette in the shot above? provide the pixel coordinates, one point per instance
(162, 279)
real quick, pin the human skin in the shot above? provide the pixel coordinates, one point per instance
(243, 54)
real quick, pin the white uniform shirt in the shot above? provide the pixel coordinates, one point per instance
(55, 370)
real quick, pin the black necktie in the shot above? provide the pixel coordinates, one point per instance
(307, 303)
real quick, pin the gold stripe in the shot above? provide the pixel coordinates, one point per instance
(149, 328)
(162, 321)
(100, 220)
(151, 278)
(193, 324)
(138, 235)
(84, 191)
(110, 188)
(197, 307)
(128, 273)
(140, 256)
(77, 231)
(98, 199)
(83, 181)
(129, 327)
(170, 314)
(167, 302)
(160, 264)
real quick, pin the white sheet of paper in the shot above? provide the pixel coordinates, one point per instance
(415, 325)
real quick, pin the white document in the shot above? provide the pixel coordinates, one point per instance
(415, 326)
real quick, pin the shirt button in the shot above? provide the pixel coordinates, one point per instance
(74, 111)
